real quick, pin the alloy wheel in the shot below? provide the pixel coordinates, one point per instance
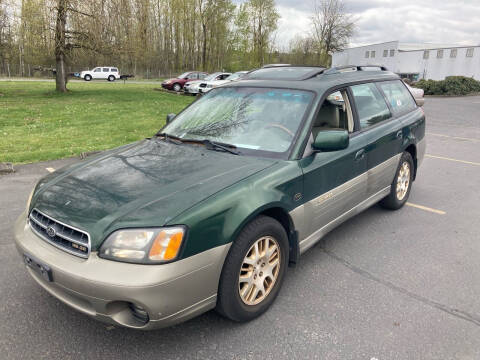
(259, 270)
(403, 181)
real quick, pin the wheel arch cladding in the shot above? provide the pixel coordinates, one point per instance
(412, 149)
(281, 215)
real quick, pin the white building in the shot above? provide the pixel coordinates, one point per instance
(415, 61)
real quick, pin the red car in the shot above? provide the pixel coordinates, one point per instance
(176, 84)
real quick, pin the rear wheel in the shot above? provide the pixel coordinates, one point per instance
(254, 270)
(111, 78)
(177, 87)
(87, 77)
(402, 184)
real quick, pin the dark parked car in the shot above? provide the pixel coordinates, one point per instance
(210, 212)
(176, 84)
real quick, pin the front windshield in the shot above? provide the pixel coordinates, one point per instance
(252, 119)
(211, 76)
(184, 75)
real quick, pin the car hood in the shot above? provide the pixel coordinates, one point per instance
(218, 82)
(172, 79)
(192, 82)
(142, 185)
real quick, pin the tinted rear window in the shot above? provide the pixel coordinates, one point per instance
(398, 96)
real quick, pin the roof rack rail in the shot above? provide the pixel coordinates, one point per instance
(305, 72)
(338, 69)
(274, 65)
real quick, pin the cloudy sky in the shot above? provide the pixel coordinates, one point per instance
(431, 21)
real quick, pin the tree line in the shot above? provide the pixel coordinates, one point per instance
(156, 38)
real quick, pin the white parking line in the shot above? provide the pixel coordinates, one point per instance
(450, 159)
(421, 207)
(454, 137)
(50, 169)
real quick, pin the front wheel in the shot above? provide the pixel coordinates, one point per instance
(177, 87)
(254, 270)
(87, 77)
(402, 184)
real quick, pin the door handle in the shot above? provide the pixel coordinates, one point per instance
(399, 134)
(360, 155)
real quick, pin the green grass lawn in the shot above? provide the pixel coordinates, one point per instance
(38, 124)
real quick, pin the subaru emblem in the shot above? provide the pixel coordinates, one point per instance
(51, 231)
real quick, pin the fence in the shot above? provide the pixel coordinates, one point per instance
(15, 70)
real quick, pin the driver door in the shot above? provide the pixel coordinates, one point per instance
(97, 73)
(334, 182)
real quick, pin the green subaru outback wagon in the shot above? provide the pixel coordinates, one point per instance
(211, 211)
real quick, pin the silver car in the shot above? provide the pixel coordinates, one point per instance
(206, 86)
(192, 87)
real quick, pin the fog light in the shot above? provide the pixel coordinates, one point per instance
(139, 313)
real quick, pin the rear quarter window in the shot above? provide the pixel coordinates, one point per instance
(370, 104)
(398, 96)
(114, 70)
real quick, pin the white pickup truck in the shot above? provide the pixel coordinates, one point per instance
(102, 72)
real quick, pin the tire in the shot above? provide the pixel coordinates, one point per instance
(398, 196)
(230, 303)
(111, 78)
(177, 87)
(87, 77)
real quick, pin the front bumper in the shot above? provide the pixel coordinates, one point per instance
(169, 293)
(190, 90)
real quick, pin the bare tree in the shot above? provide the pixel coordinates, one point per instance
(66, 40)
(60, 46)
(332, 27)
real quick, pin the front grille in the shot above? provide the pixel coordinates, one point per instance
(63, 236)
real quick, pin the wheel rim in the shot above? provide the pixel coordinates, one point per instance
(259, 270)
(403, 181)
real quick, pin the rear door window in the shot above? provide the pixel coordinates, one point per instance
(370, 104)
(398, 96)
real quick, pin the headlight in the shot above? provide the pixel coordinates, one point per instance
(168, 82)
(144, 246)
(209, 86)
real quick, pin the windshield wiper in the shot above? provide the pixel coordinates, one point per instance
(213, 145)
(170, 138)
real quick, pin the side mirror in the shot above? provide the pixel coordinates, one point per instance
(170, 117)
(331, 140)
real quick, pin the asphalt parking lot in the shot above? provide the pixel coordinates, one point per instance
(385, 285)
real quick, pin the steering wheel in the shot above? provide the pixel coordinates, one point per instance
(281, 127)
